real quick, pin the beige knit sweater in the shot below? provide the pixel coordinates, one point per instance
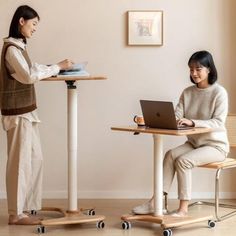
(206, 108)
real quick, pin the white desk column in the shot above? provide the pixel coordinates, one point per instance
(158, 174)
(72, 145)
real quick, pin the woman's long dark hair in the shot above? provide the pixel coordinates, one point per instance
(22, 11)
(205, 59)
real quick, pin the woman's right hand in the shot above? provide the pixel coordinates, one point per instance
(184, 121)
(65, 64)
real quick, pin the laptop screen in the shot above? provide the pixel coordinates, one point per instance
(158, 114)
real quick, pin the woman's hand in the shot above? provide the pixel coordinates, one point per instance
(65, 64)
(186, 122)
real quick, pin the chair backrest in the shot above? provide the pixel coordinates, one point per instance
(231, 129)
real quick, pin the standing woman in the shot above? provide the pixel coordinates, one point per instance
(20, 119)
(205, 104)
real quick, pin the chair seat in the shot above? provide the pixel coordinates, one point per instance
(221, 164)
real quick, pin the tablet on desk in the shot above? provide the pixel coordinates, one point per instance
(81, 73)
(76, 71)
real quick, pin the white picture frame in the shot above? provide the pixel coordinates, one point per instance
(145, 28)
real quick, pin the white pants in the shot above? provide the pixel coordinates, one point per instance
(181, 160)
(24, 167)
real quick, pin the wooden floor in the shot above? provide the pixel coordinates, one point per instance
(113, 209)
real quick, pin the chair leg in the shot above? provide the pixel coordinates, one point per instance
(217, 204)
(217, 191)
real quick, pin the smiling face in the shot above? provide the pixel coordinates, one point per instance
(28, 27)
(199, 74)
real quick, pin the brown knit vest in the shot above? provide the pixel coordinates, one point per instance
(15, 98)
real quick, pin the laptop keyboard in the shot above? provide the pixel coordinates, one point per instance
(183, 127)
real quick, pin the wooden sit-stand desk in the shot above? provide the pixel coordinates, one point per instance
(166, 221)
(73, 215)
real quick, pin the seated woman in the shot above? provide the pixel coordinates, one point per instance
(205, 104)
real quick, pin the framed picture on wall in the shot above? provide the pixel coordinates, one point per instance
(145, 28)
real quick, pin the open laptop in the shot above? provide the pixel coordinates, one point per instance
(159, 114)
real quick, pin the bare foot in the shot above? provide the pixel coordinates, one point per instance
(179, 213)
(23, 219)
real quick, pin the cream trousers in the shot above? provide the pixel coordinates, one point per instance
(181, 160)
(24, 167)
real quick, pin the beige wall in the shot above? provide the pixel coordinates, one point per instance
(114, 164)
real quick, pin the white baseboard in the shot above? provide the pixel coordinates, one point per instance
(125, 195)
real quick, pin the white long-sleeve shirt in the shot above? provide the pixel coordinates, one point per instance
(206, 108)
(19, 70)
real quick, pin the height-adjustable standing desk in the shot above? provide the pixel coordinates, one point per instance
(72, 215)
(166, 221)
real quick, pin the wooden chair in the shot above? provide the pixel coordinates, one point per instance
(228, 163)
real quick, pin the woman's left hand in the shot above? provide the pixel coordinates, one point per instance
(185, 121)
(65, 64)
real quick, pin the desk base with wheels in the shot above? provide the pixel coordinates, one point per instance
(166, 221)
(71, 218)
(73, 215)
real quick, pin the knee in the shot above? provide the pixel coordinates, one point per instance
(182, 163)
(168, 156)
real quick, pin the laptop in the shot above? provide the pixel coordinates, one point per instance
(160, 114)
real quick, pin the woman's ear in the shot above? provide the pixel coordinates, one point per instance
(21, 21)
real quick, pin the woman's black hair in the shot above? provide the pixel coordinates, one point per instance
(22, 11)
(205, 59)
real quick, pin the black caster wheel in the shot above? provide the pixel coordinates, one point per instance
(126, 225)
(100, 224)
(41, 229)
(167, 232)
(33, 212)
(91, 212)
(211, 223)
